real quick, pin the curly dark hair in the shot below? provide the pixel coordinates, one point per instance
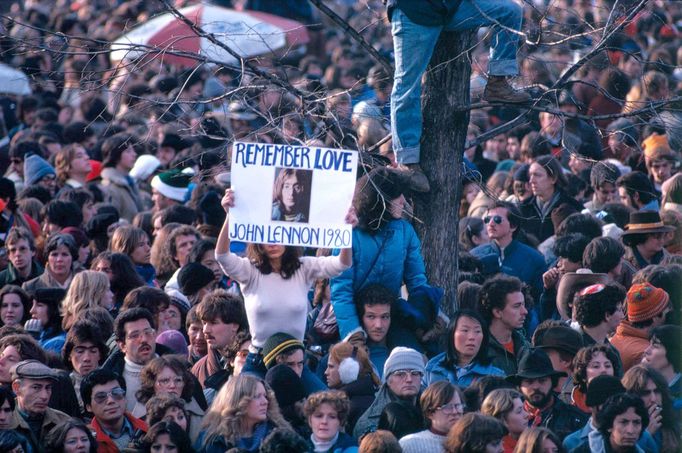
(603, 254)
(494, 293)
(152, 370)
(374, 294)
(54, 441)
(176, 434)
(617, 405)
(571, 246)
(290, 260)
(83, 331)
(158, 405)
(582, 359)
(590, 310)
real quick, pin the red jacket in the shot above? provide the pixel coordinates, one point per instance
(105, 444)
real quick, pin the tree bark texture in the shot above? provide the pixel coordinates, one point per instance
(446, 86)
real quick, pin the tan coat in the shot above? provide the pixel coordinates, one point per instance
(119, 193)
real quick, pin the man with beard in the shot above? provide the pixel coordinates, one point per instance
(621, 422)
(536, 378)
(135, 331)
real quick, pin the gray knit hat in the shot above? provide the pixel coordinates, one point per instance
(402, 358)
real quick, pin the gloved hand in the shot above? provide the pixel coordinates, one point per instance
(34, 328)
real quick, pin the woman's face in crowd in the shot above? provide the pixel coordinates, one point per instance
(396, 206)
(210, 262)
(85, 357)
(654, 355)
(128, 158)
(468, 338)
(168, 382)
(108, 298)
(548, 446)
(80, 164)
(59, 260)
(40, 312)
(76, 441)
(175, 414)
(291, 193)
(11, 310)
(104, 266)
(325, 422)
(163, 444)
(332, 374)
(516, 420)
(142, 251)
(599, 365)
(5, 416)
(540, 182)
(444, 417)
(257, 410)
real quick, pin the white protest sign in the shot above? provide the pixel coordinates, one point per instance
(292, 195)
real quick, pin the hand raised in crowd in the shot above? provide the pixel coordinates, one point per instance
(352, 217)
(551, 278)
(228, 200)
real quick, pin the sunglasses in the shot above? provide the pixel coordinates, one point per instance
(117, 394)
(496, 218)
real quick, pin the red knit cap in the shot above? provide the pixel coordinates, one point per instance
(645, 301)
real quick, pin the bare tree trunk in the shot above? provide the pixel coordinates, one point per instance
(444, 133)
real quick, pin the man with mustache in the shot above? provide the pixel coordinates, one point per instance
(135, 331)
(536, 378)
(32, 383)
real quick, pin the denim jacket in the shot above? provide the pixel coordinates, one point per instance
(436, 371)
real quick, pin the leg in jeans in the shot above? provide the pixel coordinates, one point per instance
(413, 45)
(505, 42)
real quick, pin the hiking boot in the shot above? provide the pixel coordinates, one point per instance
(416, 177)
(498, 89)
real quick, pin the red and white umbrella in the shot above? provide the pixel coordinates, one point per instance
(249, 33)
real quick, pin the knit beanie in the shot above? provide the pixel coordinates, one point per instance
(279, 343)
(172, 184)
(402, 358)
(286, 384)
(95, 170)
(174, 341)
(601, 388)
(144, 167)
(645, 301)
(521, 173)
(36, 168)
(194, 276)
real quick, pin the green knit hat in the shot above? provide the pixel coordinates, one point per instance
(279, 343)
(172, 184)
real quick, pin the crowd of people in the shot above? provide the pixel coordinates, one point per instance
(130, 322)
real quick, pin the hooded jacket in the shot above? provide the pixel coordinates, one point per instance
(369, 421)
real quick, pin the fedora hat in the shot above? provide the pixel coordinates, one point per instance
(534, 364)
(646, 222)
(571, 283)
(561, 338)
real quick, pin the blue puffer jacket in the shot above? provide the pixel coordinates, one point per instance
(398, 262)
(436, 371)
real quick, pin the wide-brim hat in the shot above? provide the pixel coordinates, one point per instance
(534, 364)
(646, 222)
(571, 283)
(561, 338)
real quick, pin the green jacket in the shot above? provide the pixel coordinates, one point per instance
(502, 358)
(10, 276)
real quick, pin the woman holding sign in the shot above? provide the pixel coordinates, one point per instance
(275, 280)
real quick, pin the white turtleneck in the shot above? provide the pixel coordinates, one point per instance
(131, 374)
(323, 447)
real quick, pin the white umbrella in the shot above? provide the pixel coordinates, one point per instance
(13, 81)
(249, 33)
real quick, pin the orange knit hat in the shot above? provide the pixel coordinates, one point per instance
(657, 147)
(645, 301)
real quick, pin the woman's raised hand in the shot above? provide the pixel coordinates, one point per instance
(228, 200)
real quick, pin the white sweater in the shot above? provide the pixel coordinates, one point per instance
(423, 442)
(272, 303)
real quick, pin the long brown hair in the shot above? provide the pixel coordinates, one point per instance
(290, 260)
(343, 350)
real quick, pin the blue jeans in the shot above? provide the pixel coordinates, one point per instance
(413, 46)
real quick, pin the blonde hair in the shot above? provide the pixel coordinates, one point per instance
(500, 402)
(226, 416)
(86, 291)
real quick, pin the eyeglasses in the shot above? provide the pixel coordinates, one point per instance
(178, 381)
(148, 332)
(243, 353)
(452, 407)
(116, 394)
(496, 218)
(403, 374)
